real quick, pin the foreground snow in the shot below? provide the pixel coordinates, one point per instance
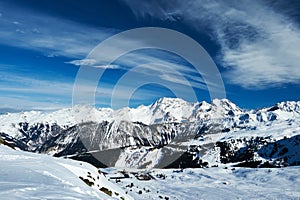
(217, 183)
(26, 175)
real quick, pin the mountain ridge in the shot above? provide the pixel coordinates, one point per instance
(146, 135)
(65, 116)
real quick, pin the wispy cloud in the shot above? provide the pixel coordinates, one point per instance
(259, 46)
(50, 35)
(156, 63)
(91, 63)
(29, 93)
(84, 62)
(54, 36)
(19, 103)
(19, 92)
(108, 66)
(148, 66)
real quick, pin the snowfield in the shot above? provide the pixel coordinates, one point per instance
(217, 183)
(25, 175)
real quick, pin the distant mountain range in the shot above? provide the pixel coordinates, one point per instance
(168, 133)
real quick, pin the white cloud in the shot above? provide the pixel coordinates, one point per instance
(156, 64)
(107, 66)
(84, 62)
(260, 47)
(92, 63)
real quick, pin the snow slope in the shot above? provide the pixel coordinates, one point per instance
(25, 175)
(214, 183)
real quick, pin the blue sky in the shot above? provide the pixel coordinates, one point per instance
(43, 43)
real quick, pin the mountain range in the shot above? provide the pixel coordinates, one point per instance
(168, 133)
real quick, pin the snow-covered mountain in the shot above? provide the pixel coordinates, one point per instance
(159, 135)
(163, 110)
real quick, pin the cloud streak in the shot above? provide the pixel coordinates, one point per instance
(54, 36)
(47, 34)
(29, 93)
(91, 63)
(157, 65)
(19, 92)
(259, 45)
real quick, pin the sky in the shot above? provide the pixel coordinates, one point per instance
(44, 43)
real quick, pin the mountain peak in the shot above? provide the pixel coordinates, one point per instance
(226, 104)
(169, 100)
(289, 105)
